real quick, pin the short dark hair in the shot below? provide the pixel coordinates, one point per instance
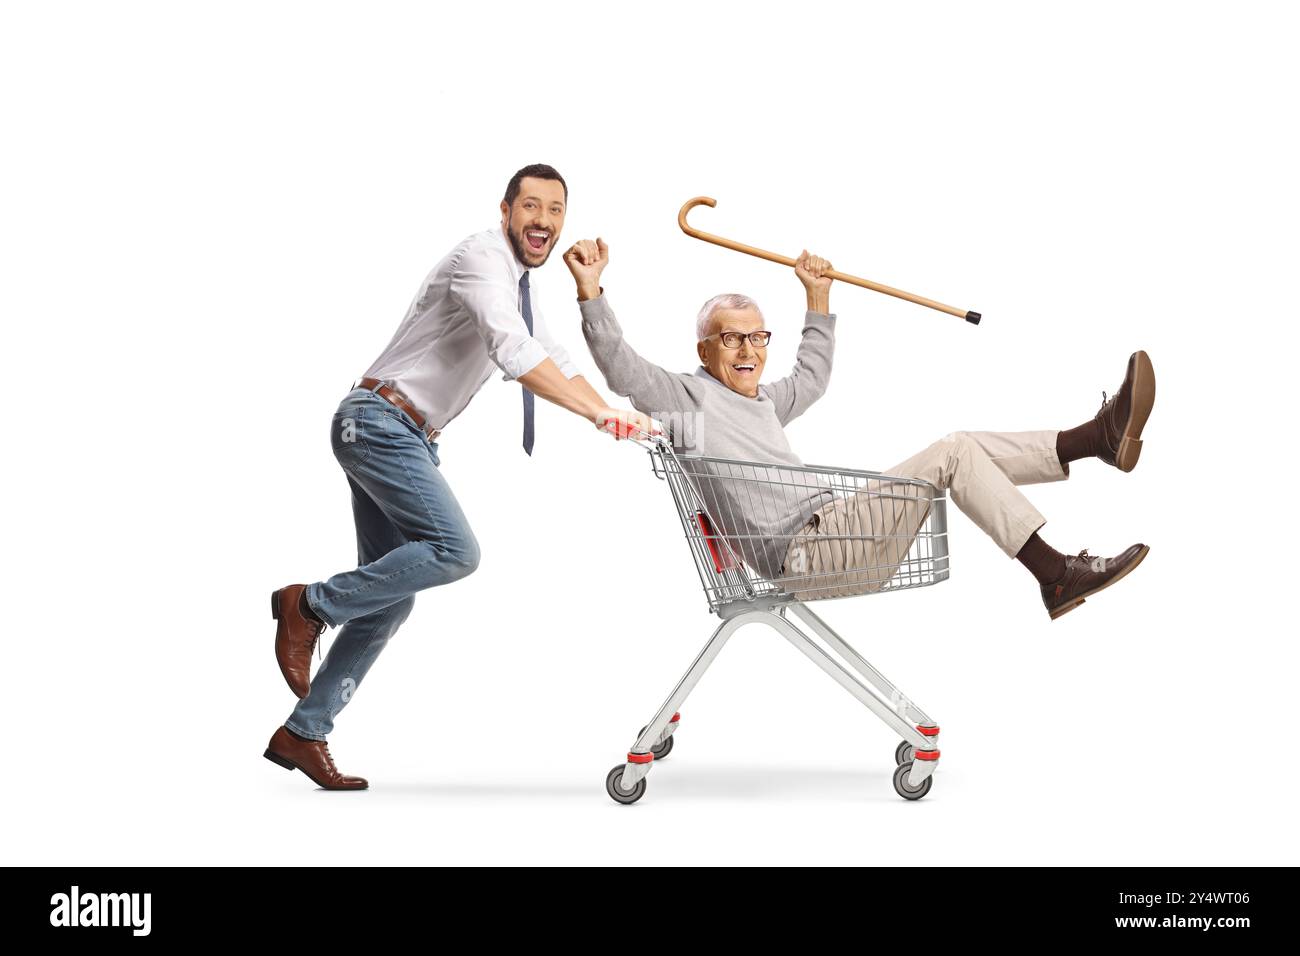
(536, 171)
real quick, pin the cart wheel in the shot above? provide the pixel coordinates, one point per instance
(614, 789)
(663, 750)
(903, 752)
(900, 783)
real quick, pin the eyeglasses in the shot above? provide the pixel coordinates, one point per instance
(732, 340)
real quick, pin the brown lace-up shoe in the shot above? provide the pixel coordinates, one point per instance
(313, 758)
(1085, 575)
(295, 637)
(1124, 414)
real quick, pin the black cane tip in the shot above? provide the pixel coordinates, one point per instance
(973, 318)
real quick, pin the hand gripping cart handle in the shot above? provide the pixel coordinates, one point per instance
(766, 540)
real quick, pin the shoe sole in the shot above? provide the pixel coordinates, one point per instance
(1087, 594)
(288, 764)
(1140, 404)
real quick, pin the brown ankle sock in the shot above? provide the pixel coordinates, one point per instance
(307, 612)
(1043, 562)
(1081, 442)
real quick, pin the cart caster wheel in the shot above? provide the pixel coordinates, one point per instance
(900, 783)
(663, 750)
(904, 752)
(613, 788)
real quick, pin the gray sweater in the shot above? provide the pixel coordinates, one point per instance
(759, 508)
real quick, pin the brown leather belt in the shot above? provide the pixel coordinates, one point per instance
(394, 397)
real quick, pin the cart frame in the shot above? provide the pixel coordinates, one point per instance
(739, 596)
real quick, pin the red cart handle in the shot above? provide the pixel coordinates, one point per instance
(623, 430)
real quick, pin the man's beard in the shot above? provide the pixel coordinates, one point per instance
(521, 248)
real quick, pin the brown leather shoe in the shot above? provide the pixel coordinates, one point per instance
(1085, 575)
(295, 637)
(1124, 414)
(313, 758)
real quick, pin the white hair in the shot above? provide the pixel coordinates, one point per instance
(728, 300)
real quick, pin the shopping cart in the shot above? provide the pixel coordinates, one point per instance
(766, 539)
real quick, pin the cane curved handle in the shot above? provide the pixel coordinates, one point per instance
(691, 204)
(727, 243)
(972, 317)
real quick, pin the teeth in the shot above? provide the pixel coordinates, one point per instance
(538, 235)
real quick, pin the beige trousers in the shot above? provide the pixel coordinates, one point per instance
(855, 544)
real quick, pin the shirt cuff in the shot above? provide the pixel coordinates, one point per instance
(819, 318)
(530, 354)
(596, 312)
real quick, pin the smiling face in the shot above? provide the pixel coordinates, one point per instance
(533, 222)
(739, 369)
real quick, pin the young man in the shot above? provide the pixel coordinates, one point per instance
(472, 315)
(799, 535)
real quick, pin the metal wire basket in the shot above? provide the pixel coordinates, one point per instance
(803, 533)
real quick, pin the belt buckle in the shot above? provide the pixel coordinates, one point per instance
(432, 433)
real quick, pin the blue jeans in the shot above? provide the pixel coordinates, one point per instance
(411, 535)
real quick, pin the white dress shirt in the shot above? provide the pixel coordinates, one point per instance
(466, 320)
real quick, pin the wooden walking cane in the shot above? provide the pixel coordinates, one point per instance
(972, 317)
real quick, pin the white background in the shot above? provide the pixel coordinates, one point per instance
(214, 217)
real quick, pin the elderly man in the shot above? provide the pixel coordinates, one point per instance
(472, 315)
(721, 410)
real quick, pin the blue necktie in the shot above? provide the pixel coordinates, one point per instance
(528, 396)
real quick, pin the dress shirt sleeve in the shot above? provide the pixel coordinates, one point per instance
(481, 282)
(812, 369)
(557, 352)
